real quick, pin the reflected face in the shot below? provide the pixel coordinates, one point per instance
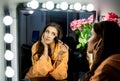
(92, 41)
(50, 34)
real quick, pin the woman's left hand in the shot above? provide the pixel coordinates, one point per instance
(64, 48)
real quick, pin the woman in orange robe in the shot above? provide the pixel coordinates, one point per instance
(104, 44)
(49, 57)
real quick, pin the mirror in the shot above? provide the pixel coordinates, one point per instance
(30, 27)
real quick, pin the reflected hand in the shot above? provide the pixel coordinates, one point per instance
(43, 41)
(64, 48)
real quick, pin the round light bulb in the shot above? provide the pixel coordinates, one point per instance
(9, 72)
(28, 4)
(64, 5)
(34, 4)
(49, 5)
(8, 38)
(58, 6)
(77, 6)
(9, 55)
(7, 20)
(90, 7)
(43, 5)
(84, 7)
(71, 7)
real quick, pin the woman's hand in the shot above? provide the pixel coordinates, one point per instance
(64, 48)
(45, 47)
(43, 41)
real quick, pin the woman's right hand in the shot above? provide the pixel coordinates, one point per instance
(45, 47)
(43, 41)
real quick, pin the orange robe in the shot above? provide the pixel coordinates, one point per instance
(109, 69)
(41, 67)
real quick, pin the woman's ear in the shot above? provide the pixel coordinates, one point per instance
(97, 44)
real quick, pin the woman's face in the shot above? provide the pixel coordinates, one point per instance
(50, 34)
(92, 41)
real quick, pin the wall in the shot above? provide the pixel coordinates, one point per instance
(109, 6)
(2, 46)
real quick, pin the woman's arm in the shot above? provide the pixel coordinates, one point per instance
(41, 66)
(61, 64)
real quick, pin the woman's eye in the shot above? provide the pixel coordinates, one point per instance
(53, 34)
(47, 31)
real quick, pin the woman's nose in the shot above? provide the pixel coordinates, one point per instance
(49, 35)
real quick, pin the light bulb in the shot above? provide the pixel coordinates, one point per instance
(77, 6)
(7, 20)
(8, 38)
(9, 55)
(64, 5)
(9, 72)
(34, 4)
(49, 5)
(90, 7)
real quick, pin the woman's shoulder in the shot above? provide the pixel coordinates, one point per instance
(34, 46)
(112, 61)
(108, 69)
(113, 58)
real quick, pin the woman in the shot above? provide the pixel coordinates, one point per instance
(49, 57)
(104, 44)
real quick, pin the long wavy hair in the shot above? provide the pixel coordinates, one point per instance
(39, 46)
(108, 31)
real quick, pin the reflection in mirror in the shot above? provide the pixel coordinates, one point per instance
(30, 27)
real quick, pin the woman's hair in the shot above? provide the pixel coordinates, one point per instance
(108, 32)
(40, 46)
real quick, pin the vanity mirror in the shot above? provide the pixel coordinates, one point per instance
(30, 26)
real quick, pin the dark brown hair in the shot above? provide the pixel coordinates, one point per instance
(40, 46)
(108, 31)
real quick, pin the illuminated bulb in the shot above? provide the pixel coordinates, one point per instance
(90, 7)
(9, 55)
(58, 6)
(77, 6)
(9, 72)
(71, 7)
(28, 4)
(83, 7)
(8, 38)
(7, 20)
(64, 5)
(49, 5)
(34, 4)
(43, 5)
